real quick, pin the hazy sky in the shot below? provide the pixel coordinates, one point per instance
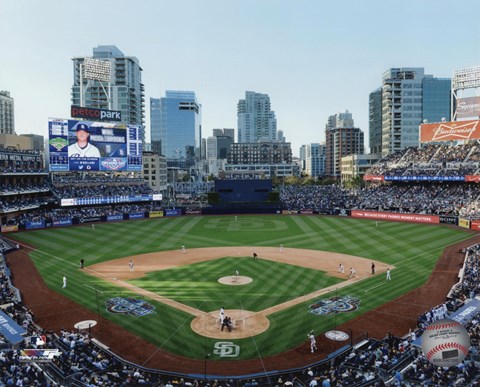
(314, 58)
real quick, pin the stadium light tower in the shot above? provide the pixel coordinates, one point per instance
(95, 70)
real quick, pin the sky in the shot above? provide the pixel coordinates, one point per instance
(314, 58)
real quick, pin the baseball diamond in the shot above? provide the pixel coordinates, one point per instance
(184, 291)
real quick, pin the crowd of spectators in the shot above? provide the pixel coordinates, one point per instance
(434, 198)
(321, 198)
(431, 160)
(80, 212)
(6, 189)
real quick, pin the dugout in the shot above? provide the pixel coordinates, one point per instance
(243, 196)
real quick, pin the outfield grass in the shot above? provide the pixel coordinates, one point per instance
(412, 248)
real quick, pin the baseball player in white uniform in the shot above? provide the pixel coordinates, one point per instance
(64, 282)
(83, 148)
(313, 342)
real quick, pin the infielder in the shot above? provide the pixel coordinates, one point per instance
(341, 269)
(281, 247)
(237, 273)
(353, 273)
(388, 275)
(183, 249)
(131, 266)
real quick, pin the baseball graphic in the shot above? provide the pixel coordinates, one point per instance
(445, 343)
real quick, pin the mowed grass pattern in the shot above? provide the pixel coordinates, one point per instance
(412, 248)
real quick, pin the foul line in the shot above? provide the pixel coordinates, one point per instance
(376, 286)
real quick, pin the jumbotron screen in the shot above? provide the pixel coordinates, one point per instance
(94, 146)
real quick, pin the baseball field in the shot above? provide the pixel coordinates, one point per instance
(172, 298)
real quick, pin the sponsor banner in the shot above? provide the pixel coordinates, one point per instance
(96, 114)
(36, 224)
(38, 355)
(468, 107)
(465, 223)
(475, 224)
(173, 212)
(10, 228)
(372, 178)
(424, 178)
(306, 212)
(5, 156)
(395, 216)
(466, 313)
(193, 211)
(107, 200)
(136, 215)
(289, 212)
(89, 219)
(156, 214)
(450, 131)
(112, 218)
(472, 178)
(10, 329)
(62, 222)
(448, 219)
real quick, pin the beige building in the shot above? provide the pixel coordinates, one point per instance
(155, 171)
(17, 142)
(353, 166)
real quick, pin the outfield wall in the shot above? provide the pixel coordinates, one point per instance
(174, 212)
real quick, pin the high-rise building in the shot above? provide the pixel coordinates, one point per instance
(110, 80)
(437, 94)
(224, 138)
(315, 159)
(175, 124)
(7, 116)
(256, 120)
(342, 139)
(408, 97)
(375, 121)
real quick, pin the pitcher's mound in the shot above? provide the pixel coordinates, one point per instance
(235, 280)
(245, 324)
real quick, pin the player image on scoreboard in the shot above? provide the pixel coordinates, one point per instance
(94, 146)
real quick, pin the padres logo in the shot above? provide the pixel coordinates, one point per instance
(226, 349)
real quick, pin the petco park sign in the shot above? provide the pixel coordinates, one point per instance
(96, 114)
(450, 131)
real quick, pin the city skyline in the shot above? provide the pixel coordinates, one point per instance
(313, 58)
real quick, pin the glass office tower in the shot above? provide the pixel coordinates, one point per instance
(175, 123)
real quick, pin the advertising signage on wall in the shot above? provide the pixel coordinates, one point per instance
(450, 131)
(468, 107)
(96, 114)
(94, 146)
(395, 216)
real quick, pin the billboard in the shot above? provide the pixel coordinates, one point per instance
(468, 107)
(450, 131)
(96, 114)
(94, 146)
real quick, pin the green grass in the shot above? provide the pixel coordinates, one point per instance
(412, 248)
